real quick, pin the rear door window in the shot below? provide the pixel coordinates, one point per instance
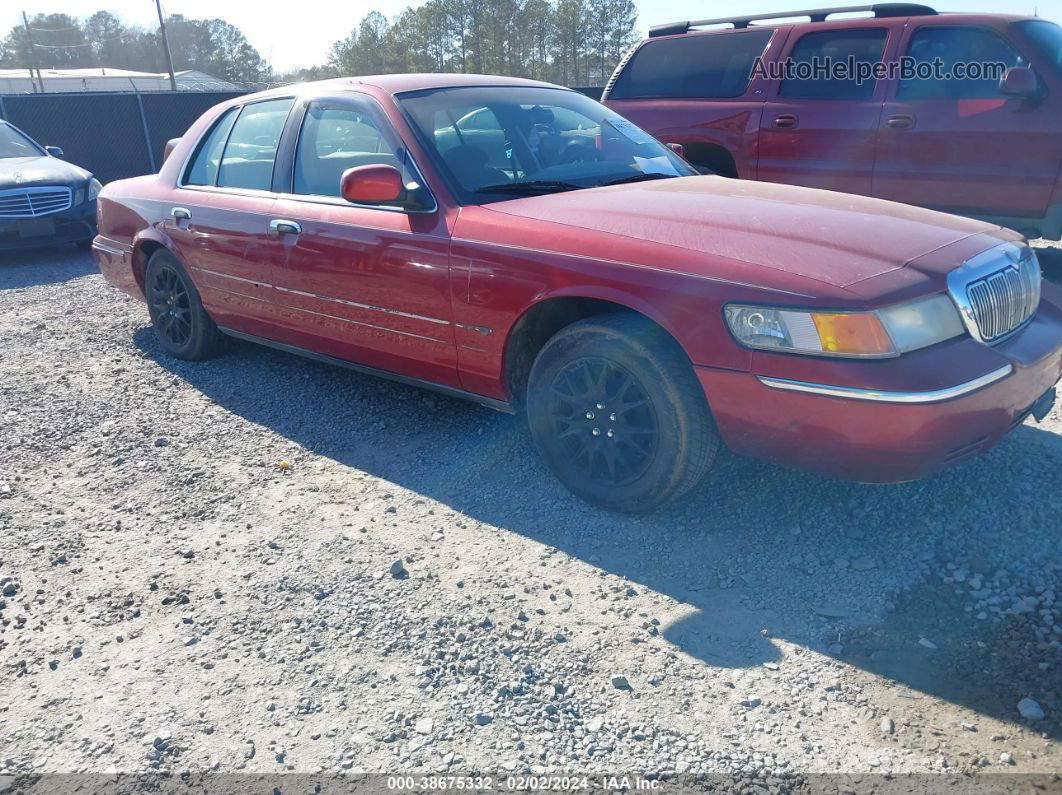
(814, 55)
(946, 47)
(204, 168)
(252, 145)
(708, 66)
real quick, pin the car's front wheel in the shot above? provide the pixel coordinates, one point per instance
(182, 327)
(616, 411)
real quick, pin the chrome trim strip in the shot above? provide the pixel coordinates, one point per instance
(108, 249)
(330, 299)
(384, 309)
(856, 393)
(497, 405)
(484, 330)
(255, 282)
(363, 324)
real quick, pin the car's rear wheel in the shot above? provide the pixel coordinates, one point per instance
(616, 411)
(182, 327)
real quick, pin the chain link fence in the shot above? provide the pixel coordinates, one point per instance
(113, 135)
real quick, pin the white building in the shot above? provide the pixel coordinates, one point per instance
(18, 81)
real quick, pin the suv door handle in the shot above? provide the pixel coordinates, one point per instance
(181, 213)
(785, 120)
(900, 121)
(282, 226)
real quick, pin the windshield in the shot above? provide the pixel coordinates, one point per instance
(15, 144)
(1047, 36)
(495, 143)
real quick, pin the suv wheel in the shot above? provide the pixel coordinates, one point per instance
(616, 411)
(182, 327)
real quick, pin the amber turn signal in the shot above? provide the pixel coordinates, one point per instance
(854, 334)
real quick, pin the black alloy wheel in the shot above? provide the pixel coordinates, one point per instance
(605, 419)
(170, 306)
(182, 326)
(616, 411)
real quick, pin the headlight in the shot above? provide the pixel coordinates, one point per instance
(880, 334)
(94, 189)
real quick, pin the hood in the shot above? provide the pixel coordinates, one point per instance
(834, 238)
(26, 172)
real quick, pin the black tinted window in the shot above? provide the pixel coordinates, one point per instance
(204, 169)
(951, 46)
(252, 145)
(1047, 37)
(828, 47)
(705, 66)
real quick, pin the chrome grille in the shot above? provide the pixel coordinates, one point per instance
(997, 291)
(31, 202)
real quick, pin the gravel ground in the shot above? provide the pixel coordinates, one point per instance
(263, 564)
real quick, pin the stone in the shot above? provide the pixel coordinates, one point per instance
(424, 726)
(398, 570)
(888, 726)
(1030, 709)
(620, 682)
(482, 718)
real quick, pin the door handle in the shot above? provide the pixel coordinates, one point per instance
(900, 121)
(785, 120)
(181, 213)
(282, 226)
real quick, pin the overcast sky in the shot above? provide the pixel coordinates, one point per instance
(299, 34)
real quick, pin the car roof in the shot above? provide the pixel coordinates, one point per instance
(400, 83)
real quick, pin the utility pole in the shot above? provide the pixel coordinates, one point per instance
(33, 55)
(166, 45)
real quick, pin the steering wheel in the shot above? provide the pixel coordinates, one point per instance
(579, 152)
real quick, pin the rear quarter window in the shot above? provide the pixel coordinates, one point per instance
(706, 66)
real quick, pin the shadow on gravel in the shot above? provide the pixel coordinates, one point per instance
(39, 266)
(757, 553)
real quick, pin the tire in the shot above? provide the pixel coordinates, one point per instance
(619, 416)
(182, 327)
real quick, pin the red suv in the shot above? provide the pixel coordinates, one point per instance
(981, 145)
(521, 245)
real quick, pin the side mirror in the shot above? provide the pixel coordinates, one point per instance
(1019, 81)
(167, 150)
(371, 184)
(54, 151)
(678, 149)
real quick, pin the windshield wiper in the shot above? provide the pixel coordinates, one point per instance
(638, 178)
(530, 186)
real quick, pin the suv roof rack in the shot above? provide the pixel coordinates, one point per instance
(816, 14)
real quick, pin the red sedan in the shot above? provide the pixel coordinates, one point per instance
(523, 246)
